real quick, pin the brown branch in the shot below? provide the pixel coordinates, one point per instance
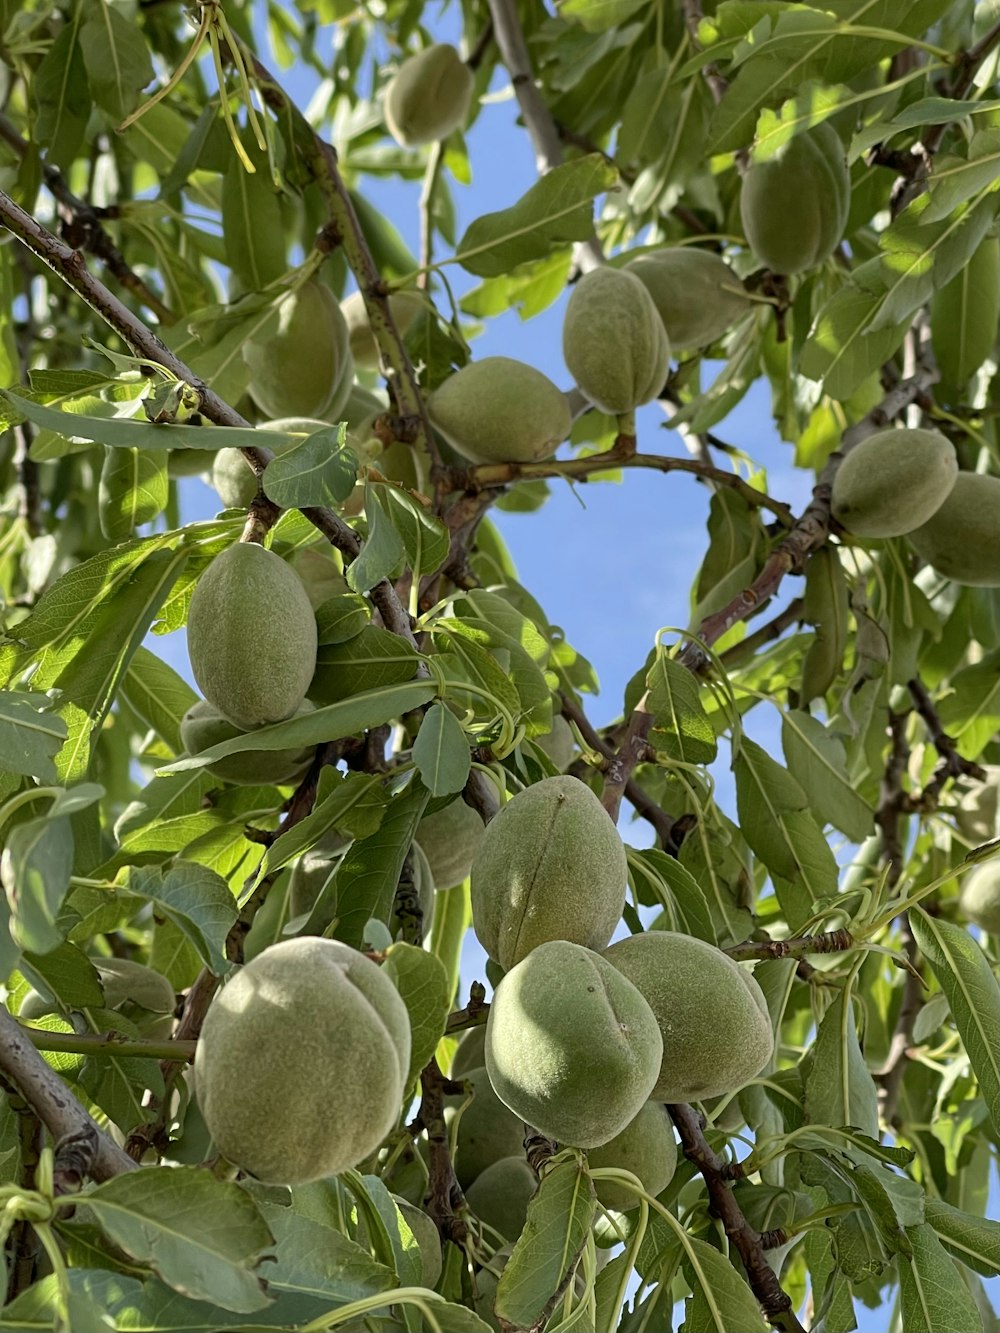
(952, 765)
(444, 1194)
(766, 634)
(774, 1301)
(487, 475)
(83, 230)
(51, 1100)
(829, 941)
(22, 1244)
(473, 1015)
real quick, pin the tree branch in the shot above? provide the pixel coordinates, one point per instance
(51, 1100)
(800, 946)
(775, 1303)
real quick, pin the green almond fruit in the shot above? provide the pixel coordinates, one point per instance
(980, 897)
(571, 1045)
(499, 410)
(499, 1196)
(470, 1053)
(203, 726)
(428, 97)
(962, 538)
(893, 481)
(305, 367)
(450, 838)
(301, 1065)
(977, 809)
(404, 307)
(647, 1148)
(551, 866)
(697, 295)
(794, 206)
(711, 1013)
(251, 636)
(614, 342)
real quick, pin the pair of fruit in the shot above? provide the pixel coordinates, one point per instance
(906, 482)
(577, 1040)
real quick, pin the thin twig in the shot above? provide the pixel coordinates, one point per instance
(800, 946)
(774, 1301)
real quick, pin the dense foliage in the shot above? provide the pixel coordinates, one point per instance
(194, 280)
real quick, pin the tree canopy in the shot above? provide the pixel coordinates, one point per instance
(196, 280)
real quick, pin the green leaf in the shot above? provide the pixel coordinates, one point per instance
(557, 210)
(37, 863)
(425, 538)
(559, 1217)
(839, 350)
(686, 907)
(441, 752)
(341, 617)
(375, 657)
(86, 1303)
(974, 1241)
(933, 1296)
(721, 1300)
(369, 873)
(117, 60)
(383, 551)
(330, 723)
(321, 470)
(30, 737)
(965, 314)
(682, 729)
(970, 710)
(132, 491)
(202, 1236)
(62, 94)
(839, 1088)
(600, 15)
(354, 807)
(775, 820)
(422, 983)
(964, 974)
(252, 224)
(817, 760)
(158, 695)
(197, 900)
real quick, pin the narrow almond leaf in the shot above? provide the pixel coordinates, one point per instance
(204, 1237)
(441, 752)
(682, 729)
(116, 56)
(721, 1301)
(975, 1241)
(133, 490)
(425, 538)
(839, 1087)
(934, 1298)
(817, 760)
(30, 736)
(422, 983)
(383, 552)
(556, 211)
(321, 470)
(331, 723)
(369, 873)
(559, 1217)
(963, 973)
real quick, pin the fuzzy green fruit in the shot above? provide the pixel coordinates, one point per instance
(499, 1195)
(647, 1148)
(696, 294)
(450, 838)
(712, 1014)
(571, 1045)
(302, 1061)
(551, 867)
(305, 368)
(471, 1052)
(893, 481)
(977, 810)
(980, 899)
(230, 474)
(428, 96)
(794, 207)
(251, 636)
(487, 1130)
(614, 342)
(203, 726)
(404, 307)
(499, 410)
(962, 539)
(320, 574)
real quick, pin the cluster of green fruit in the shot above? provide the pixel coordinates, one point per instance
(906, 482)
(580, 1035)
